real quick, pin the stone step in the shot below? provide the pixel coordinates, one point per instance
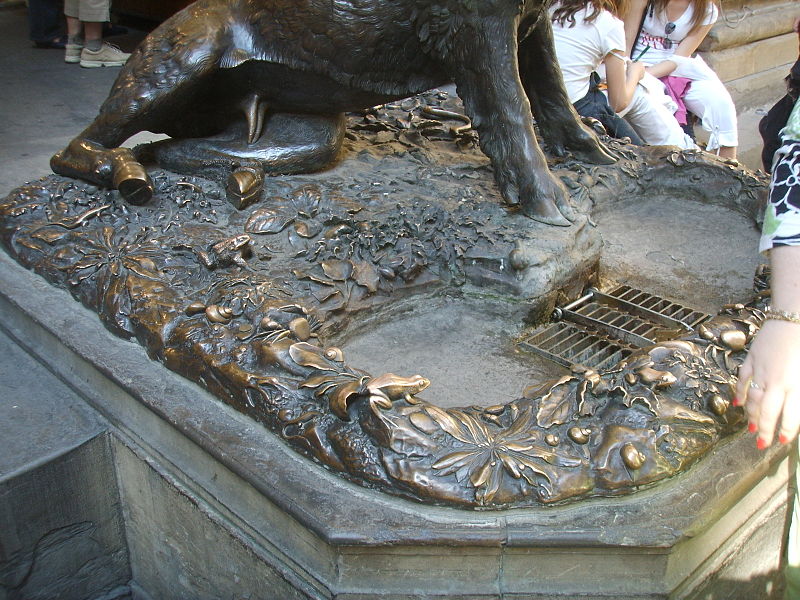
(750, 24)
(43, 418)
(61, 527)
(747, 59)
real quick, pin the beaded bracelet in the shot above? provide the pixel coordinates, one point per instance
(781, 315)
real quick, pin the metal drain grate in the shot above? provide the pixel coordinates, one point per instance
(601, 328)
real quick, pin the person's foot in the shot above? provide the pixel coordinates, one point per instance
(108, 56)
(72, 53)
(57, 43)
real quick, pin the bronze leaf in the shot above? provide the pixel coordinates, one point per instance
(365, 274)
(266, 221)
(50, 236)
(558, 405)
(341, 396)
(338, 270)
(317, 380)
(308, 355)
(450, 463)
(447, 423)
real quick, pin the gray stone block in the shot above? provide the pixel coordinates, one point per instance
(760, 89)
(756, 57)
(750, 24)
(61, 531)
(181, 548)
(42, 417)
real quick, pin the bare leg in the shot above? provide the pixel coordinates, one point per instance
(73, 27)
(92, 32)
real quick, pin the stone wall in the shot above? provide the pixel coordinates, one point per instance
(751, 47)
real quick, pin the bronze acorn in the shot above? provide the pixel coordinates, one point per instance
(733, 339)
(300, 328)
(579, 435)
(518, 260)
(269, 324)
(718, 405)
(706, 333)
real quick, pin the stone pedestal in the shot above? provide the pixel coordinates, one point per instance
(213, 505)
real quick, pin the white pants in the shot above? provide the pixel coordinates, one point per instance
(654, 123)
(711, 102)
(90, 11)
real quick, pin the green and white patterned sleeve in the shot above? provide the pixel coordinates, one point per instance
(782, 217)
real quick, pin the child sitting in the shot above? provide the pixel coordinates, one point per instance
(666, 33)
(589, 37)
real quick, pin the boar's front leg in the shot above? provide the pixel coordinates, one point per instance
(541, 78)
(483, 61)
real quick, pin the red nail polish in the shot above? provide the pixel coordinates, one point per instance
(736, 401)
(752, 428)
(761, 444)
(783, 439)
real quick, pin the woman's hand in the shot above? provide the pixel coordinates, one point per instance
(635, 71)
(773, 365)
(622, 76)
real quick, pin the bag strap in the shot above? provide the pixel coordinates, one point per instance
(647, 7)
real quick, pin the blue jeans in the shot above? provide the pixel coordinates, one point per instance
(595, 104)
(44, 20)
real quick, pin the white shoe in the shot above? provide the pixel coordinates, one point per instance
(108, 56)
(72, 53)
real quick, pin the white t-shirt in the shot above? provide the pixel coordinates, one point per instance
(581, 48)
(654, 34)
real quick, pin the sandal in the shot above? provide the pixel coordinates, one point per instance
(57, 43)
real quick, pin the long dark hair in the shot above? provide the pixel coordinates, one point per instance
(699, 8)
(567, 9)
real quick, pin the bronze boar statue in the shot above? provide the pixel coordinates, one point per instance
(248, 87)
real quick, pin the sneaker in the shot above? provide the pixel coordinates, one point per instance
(73, 53)
(108, 56)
